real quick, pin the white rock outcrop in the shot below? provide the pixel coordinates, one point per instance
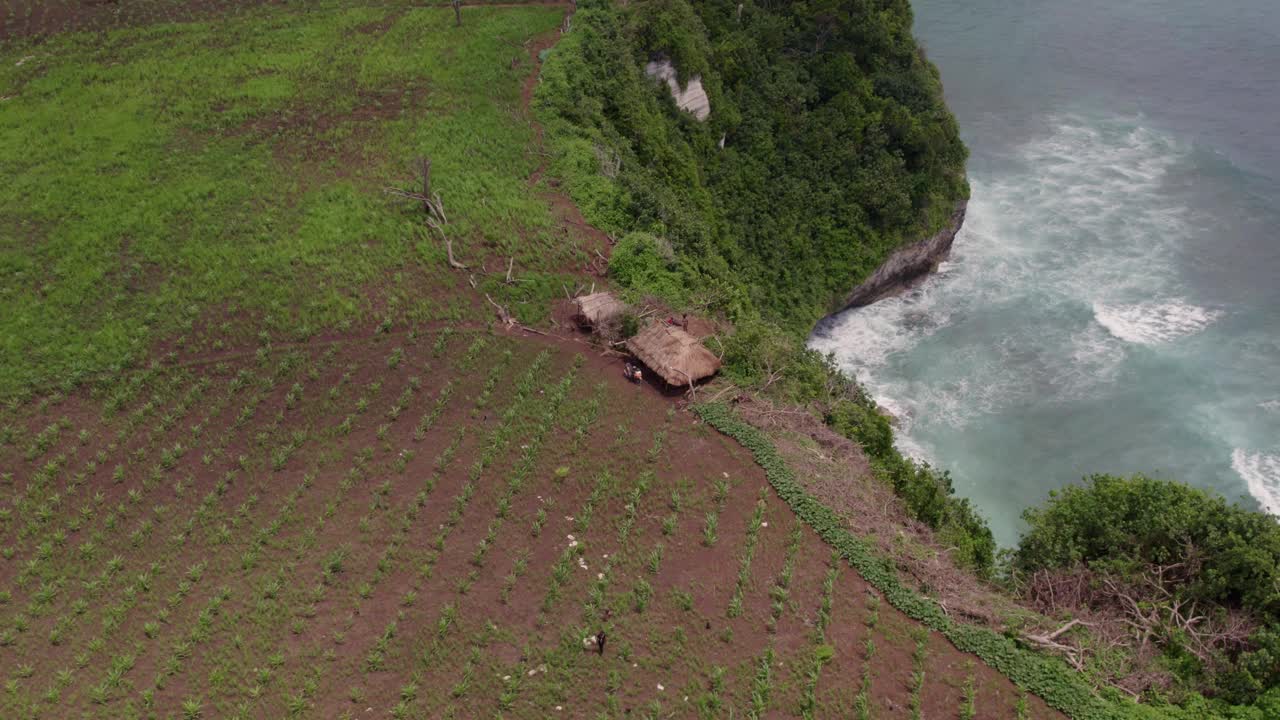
(692, 99)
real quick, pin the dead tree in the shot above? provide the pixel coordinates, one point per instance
(433, 206)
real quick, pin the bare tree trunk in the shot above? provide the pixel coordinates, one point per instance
(457, 12)
(426, 184)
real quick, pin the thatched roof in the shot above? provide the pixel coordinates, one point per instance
(598, 308)
(678, 357)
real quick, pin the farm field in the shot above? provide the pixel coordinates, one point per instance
(429, 526)
(263, 454)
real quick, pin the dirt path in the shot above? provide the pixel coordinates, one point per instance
(563, 208)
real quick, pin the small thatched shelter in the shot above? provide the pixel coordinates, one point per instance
(677, 357)
(598, 309)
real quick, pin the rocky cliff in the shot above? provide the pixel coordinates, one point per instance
(908, 265)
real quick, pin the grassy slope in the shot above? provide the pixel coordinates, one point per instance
(234, 165)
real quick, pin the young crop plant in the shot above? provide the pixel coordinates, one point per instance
(744, 563)
(918, 657)
(604, 482)
(655, 451)
(518, 567)
(709, 704)
(491, 382)
(862, 701)
(968, 706)
(375, 659)
(654, 559)
(586, 417)
(823, 653)
(641, 595)
(469, 359)
(828, 596)
(712, 522)
(442, 341)
(761, 686)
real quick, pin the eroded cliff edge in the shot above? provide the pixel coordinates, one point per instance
(908, 265)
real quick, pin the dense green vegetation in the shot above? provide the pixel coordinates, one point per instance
(837, 148)
(927, 492)
(1171, 546)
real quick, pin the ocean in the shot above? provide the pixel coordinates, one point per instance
(1112, 303)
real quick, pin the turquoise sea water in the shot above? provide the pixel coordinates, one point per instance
(1113, 301)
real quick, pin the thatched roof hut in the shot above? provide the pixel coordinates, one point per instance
(678, 357)
(598, 309)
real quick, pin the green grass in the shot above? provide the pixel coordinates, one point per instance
(194, 180)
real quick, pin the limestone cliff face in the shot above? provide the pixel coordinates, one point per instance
(908, 265)
(692, 98)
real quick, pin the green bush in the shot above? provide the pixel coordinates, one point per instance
(1123, 525)
(647, 265)
(1230, 558)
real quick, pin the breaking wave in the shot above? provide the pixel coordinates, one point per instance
(1261, 474)
(1153, 323)
(1081, 222)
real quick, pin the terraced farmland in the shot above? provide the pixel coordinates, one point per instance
(430, 526)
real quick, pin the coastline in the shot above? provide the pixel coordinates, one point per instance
(907, 266)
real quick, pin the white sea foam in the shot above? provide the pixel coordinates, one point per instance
(1153, 323)
(1270, 405)
(1261, 473)
(1051, 279)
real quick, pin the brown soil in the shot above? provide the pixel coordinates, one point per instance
(327, 629)
(835, 470)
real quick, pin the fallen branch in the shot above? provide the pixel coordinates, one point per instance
(1072, 654)
(721, 355)
(503, 315)
(1065, 628)
(448, 247)
(722, 392)
(535, 331)
(510, 264)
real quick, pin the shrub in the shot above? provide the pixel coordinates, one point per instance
(648, 265)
